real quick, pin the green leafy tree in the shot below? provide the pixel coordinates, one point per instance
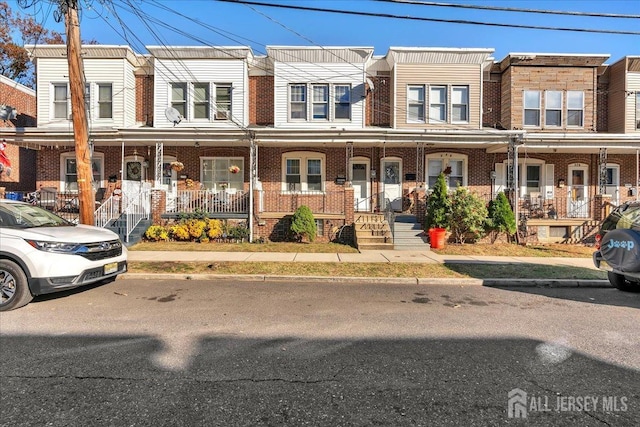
(501, 218)
(438, 205)
(303, 224)
(468, 215)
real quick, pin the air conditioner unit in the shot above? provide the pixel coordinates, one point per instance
(222, 115)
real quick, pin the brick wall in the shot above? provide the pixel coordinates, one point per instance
(378, 112)
(144, 99)
(23, 102)
(491, 103)
(261, 93)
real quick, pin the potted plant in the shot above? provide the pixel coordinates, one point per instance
(234, 169)
(177, 166)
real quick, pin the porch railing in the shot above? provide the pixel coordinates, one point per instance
(328, 202)
(210, 202)
(108, 211)
(135, 209)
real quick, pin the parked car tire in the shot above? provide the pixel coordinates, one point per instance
(14, 288)
(619, 281)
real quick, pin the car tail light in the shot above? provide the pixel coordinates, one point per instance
(598, 240)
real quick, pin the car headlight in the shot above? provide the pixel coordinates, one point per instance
(56, 247)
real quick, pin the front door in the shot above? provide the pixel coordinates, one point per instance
(361, 185)
(578, 191)
(169, 183)
(392, 183)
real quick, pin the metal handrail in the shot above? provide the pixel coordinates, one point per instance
(108, 211)
(138, 208)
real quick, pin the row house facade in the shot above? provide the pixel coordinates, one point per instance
(343, 131)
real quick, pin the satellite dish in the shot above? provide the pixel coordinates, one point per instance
(173, 115)
(370, 83)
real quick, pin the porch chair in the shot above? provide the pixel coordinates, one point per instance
(48, 198)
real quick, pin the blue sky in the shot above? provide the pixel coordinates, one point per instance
(227, 24)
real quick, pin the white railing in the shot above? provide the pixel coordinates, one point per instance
(137, 208)
(108, 211)
(207, 201)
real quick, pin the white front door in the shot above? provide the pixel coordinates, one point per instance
(169, 183)
(578, 191)
(392, 183)
(361, 185)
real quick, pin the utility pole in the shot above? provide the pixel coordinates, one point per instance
(86, 197)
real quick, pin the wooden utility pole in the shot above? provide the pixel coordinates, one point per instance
(86, 197)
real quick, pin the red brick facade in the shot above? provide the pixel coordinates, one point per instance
(261, 100)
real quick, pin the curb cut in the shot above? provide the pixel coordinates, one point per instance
(455, 281)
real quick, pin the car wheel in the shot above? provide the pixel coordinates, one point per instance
(621, 283)
(14, 289)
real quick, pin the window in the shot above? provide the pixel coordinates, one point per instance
(415, 107)
(575, 108)
(320, 102)
(201, 101)
(531, 108)
(553, 108)
(460, 104)
(179, 97)
(223, 101)
(303, 171)
(438, 104)
(298, 102)
(70, 171)
(532, 178)
(637, 110)
(105, 101)
(217, 173)
(60, 101)
(87, 99)
(342, 100)
(454, 167)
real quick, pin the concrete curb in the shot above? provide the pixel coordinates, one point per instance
(498, 283)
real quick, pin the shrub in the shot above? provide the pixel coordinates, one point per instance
(438, 205)
(214, 228)
(179, 232)
(467, 216)
(156, 233)
(500, 217)
(303, 224)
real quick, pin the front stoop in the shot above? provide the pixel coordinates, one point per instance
(372, 232)
(408, 234)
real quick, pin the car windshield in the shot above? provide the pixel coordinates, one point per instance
(23, 215)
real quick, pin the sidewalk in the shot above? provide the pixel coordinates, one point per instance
(390, 256)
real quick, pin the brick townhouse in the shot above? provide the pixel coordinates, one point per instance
(349, 133)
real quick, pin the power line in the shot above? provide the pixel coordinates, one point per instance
(419, 18)
(511, 9)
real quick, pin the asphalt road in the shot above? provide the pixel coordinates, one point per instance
(149, 352)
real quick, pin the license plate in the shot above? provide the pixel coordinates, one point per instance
(111, 268)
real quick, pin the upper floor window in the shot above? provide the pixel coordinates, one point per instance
(179, 97)
(460, 104)
(575, 108)
(553, 108)
(438, 104)
(320, 102)
(531, 108)
(415, 104)
(342, 99)
(223, 101)
(201, 98)
(60, 101)
(638, 110)
(303, 171)
(105, 101)
(320, 107)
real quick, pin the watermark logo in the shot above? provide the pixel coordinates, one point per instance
(517, 404)
(520, 404)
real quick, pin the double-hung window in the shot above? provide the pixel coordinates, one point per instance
(303, 171)
(298, 102)
(460, 104)
(575, 108)
(637, 110)
(320, 102)
(201, 98)
(531, 108)
(533, 178)
(223, 101)
(454, 169)
(438, 104)
(87, 99)
(553, 108)
(179, 97)
(105, 101)
(415, 104)
(342, 102)
(218, 173)
(60, 101)
(70, 170)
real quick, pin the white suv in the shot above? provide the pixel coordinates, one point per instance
(41, 253)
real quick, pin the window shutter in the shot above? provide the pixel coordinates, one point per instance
(501, 178)
(549, 181)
